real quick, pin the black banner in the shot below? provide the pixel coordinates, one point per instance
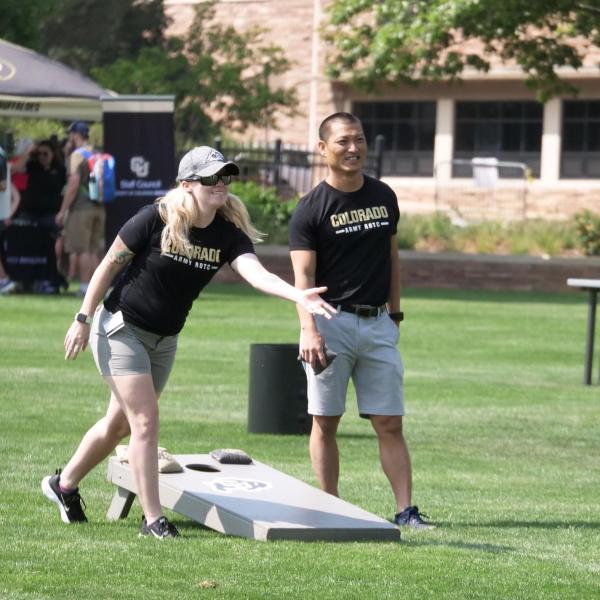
(144, 149)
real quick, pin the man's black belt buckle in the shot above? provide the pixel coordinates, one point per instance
(362, 310)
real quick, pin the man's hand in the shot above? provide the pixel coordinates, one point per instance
(312, 348)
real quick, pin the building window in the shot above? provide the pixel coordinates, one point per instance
(580, 157)
(408, 129)
(508, 131)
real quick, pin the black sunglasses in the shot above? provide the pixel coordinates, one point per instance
(212, 180)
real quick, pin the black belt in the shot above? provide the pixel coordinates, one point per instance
(362, 310)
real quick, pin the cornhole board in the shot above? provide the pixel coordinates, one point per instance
(253, 501)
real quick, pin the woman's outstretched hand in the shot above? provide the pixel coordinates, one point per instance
(314, 304)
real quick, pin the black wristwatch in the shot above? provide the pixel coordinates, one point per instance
(396, 316)
(83, 318)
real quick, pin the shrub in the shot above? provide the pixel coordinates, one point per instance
(482, 238)
(436, 232)
(269, 213)
(420, 232)
(587, 226)
(407, 234)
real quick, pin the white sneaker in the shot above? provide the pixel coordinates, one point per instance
(7, 286)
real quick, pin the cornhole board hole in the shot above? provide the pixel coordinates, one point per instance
(253, 501)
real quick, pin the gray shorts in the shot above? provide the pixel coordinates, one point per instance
(120, 348)
(367, 353)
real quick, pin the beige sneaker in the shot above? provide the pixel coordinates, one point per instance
(167, 463)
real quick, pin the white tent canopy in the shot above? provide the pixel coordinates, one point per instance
(32, 85)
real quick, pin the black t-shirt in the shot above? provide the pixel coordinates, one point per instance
(156, 291)
(350, 233)
(43, 195)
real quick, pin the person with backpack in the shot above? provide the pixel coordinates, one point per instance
(83, 218)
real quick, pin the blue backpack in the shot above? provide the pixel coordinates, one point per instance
(102, 186)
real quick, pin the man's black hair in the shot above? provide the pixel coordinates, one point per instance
(346, 117)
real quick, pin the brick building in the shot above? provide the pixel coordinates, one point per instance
(432, 128)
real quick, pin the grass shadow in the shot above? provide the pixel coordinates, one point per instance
(490, 548)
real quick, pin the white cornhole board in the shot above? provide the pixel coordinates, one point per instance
(253, 501)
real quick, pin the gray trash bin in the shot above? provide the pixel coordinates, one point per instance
(277, 392)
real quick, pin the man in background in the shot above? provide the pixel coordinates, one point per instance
(83, 220)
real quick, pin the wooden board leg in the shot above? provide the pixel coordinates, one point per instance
(121, 504)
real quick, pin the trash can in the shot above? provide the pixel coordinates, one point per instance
(277, 400)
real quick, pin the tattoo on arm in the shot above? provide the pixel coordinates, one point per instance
(119, 257)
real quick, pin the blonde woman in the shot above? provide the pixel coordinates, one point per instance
(171, 249)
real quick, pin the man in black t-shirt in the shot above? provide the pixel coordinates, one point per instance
(343, 236)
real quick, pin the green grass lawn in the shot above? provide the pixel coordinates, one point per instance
(504, 437)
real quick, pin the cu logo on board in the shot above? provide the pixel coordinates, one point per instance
(231, 484)
(140, 166)
(7, 70)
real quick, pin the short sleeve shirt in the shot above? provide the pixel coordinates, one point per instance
(156, 291)
(43, 195)
(350, 233)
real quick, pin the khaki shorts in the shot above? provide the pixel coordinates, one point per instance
(120, 348)
(84, 229)
(367, 352)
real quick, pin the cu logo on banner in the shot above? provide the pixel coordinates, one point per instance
(7, 70)
(140, 166)
(231, 484)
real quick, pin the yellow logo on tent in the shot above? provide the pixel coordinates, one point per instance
(7, 70)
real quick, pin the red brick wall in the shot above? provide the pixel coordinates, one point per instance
(460, 271)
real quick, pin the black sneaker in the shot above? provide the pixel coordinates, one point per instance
(411, 517)
(161, 528)
(68, 504)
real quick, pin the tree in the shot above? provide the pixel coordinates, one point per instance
(407, 41)
(80, 33)
(20, 19)
(220, 78)
(86, 33)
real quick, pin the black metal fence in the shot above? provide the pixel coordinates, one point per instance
(292, 169)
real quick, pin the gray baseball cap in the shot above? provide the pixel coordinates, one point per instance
(203, 161)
